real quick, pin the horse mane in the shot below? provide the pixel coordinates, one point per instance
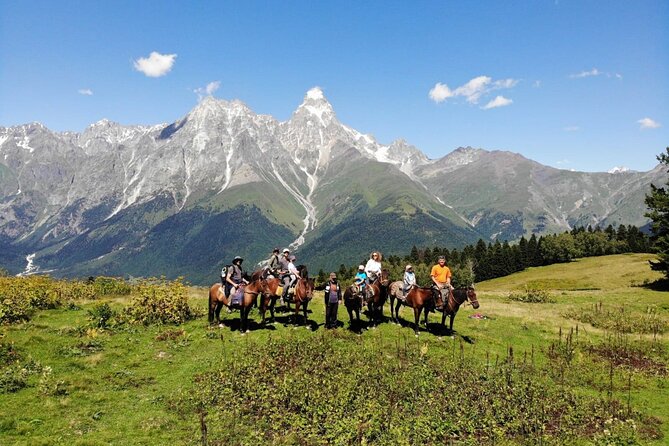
(304, 273)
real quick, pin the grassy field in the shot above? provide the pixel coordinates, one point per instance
(587, 366)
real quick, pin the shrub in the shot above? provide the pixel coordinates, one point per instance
(160, 302)
(21, 296)
(105, 286)
(101, 315)
(532, 295)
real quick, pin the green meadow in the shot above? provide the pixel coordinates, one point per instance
(572, 353)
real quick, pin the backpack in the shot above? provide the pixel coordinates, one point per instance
(224, 271)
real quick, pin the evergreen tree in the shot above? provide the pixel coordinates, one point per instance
(658, 203)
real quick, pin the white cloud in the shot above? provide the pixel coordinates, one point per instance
(208, 90)
(440, 92)
(647, 123)
(85, 91)
(536, 84)
(593, 72)
(572, 128)
(499, 101)
(156, 64)
(472, 91)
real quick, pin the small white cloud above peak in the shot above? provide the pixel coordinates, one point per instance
(315, 93)
(209, 90)
(648, 123)
(315, 104)
(85, 91)
(156, 65)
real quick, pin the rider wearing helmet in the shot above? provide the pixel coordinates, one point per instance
(361, 280)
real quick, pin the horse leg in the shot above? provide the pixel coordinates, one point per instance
(397, 311)
(212, 306)
(304, 309)
(451, 325)
(416, 313)
(427, 312)
(219, 306)
(263, 308)
(271, 309)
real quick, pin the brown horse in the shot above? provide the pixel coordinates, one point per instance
(376, 298)
(217, 299)
(427, 299)
(457, 297)
(269, 299)
(304, 291)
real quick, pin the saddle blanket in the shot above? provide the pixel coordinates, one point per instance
(237, 297)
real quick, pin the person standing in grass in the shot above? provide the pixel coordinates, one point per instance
(332, 301)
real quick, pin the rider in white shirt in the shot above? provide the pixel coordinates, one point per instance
(373, 267)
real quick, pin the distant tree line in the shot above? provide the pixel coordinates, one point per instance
(485, 261)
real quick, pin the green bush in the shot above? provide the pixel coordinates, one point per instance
(101, 315)
(532, 295)
(106, 286)
(20, 297)
(160, 302)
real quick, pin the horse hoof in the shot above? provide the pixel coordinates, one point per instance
(221, 325)
(243, 333)
(247, 331)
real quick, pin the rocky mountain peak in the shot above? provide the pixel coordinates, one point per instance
(315, 108)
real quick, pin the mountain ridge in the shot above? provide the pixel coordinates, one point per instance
(309, 175)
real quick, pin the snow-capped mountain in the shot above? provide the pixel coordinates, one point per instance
(180, 198)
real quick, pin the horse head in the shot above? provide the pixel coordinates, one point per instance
(304, 273)
(471, 296)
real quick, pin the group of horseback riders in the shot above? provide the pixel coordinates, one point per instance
(281, 264)
(278, 266)
(281, 277)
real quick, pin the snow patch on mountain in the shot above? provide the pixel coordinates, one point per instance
(620, 169)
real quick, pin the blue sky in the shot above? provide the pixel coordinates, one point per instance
(580, 85)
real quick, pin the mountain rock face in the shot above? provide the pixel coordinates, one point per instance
(184, 198)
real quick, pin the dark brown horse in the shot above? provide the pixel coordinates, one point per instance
(217, 299)
(457, 297)
(376, 297)
(353, 303)
(420, 299)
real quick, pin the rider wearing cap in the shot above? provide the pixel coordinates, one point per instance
(273, 264)
(409, 279)
(235, 276)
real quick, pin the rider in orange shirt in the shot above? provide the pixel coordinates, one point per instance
(441, 276)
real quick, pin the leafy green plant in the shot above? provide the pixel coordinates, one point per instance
(160, 302)
(532, 295)
(101, 315)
